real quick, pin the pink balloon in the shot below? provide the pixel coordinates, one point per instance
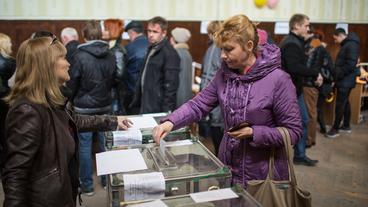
(272, 3)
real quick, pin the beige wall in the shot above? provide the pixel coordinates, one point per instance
(351, 11)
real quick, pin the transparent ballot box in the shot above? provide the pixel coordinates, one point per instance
(220, 198)
(185, 168)
(146, 133)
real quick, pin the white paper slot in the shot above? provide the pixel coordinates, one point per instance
(156, 203)
(179, 143)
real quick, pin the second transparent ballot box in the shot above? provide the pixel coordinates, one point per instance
(186, 168)
(228, 197)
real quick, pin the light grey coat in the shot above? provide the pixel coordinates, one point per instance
(184, 93)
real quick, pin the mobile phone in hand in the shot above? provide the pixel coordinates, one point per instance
(239, 126)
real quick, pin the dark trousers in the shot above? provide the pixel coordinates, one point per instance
(320, 115)
(342, 108)
(216, 134)
(128, 98)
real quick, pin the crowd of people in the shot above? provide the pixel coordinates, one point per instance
(64, 93)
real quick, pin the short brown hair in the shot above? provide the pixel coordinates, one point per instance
(238, 28)
(160, 21)
(297, 19)
(92, 30)
(35, 77)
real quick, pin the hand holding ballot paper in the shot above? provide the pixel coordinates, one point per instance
(161, 131)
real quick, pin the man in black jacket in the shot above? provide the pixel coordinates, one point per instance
(159, 76)
(92, 76)
(293, 60)
(346, 71)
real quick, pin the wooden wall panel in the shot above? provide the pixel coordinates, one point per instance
(19, 30)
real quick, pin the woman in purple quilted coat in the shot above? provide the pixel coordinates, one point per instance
(250, 87)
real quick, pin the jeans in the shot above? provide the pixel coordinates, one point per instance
(299, 148)
(85, 157)
(342, 108)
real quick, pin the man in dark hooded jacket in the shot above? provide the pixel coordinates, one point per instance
(92, 77)
(346, 71)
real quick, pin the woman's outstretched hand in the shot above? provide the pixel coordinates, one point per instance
(161, 131)
(124, 123)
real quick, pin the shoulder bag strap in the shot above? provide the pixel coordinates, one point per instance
(286, 138)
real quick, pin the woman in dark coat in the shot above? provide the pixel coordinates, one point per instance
(7, 69)
(41, 162)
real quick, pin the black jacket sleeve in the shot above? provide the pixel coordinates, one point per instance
(351, 55)
(75, 77)
(96, 123)
(24, 133)
(294, 59)
(171, 80)
(7, 68)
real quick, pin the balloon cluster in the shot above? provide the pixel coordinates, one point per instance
(270, 3)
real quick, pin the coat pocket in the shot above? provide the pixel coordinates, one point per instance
(47, 189)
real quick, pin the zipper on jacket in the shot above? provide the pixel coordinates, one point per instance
(49, 173)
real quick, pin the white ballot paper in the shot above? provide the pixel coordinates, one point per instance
(143, 122)
(213, 195)
(127, 137)
(119, 161)
(144, 186)
(163, 144)
(155, 114)
(156, 203)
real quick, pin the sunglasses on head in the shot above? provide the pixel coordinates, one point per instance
(54, 39)
(39, 34)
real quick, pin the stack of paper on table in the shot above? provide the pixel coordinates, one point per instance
(128, 137)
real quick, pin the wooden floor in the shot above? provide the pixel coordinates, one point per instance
(340, 179)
